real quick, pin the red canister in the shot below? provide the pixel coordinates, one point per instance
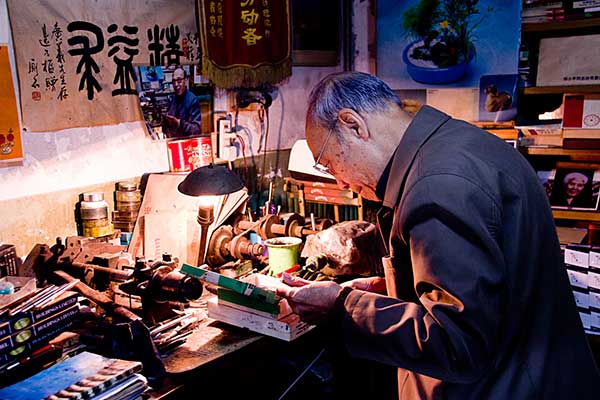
(190, 153)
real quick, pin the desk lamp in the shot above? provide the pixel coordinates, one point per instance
(206, 183)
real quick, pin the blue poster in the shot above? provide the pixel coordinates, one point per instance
(446, 43)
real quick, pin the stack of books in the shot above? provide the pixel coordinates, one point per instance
(31, 322)
(548, 134)
(583, 9)
(540, 11)
(84, 376)
(543, 11)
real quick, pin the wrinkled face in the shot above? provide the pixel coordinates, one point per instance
(347, 162)
(575, 186)
(179, 81)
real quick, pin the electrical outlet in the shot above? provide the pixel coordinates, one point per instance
(224, 126)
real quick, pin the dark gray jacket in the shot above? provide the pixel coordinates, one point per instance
(484, 309)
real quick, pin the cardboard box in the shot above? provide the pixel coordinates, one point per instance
(286, 328)
(581, 116)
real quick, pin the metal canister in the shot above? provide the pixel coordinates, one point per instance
(128, 200)
(94, 215)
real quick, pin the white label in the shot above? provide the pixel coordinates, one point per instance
(582, 299)
(586, 320)
(594, 259)
(577, 279)
(595, 300)
(578, 258)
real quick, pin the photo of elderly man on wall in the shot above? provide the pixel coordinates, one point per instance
(573, 188)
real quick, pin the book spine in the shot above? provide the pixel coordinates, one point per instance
(55, 323)
(26, 319)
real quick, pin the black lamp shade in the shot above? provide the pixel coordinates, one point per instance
(210, 180)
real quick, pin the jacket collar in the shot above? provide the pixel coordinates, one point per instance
(423, 125)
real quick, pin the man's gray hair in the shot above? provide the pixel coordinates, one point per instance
(358, 91)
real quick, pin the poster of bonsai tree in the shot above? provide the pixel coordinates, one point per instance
(443, 33)
(433, 43)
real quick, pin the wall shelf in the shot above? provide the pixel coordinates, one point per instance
(561, 25)
(559, 151)
(561, 89)
(576, 215)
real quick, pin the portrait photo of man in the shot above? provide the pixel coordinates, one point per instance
(572, 188)
(183, 116)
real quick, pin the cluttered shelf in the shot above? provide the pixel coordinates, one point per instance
(560, 25)
(576, 215)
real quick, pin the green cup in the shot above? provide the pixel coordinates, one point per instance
(283, 253)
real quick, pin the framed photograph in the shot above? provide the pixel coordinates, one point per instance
(498, 97)
(157, 91)
(574, 189)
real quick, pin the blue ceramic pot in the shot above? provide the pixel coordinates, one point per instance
(436, 75)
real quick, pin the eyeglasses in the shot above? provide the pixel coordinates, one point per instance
(318, 166)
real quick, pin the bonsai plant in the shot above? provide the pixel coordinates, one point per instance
(443, 31)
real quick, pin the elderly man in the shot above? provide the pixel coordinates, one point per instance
(183, 116)
(478, 303)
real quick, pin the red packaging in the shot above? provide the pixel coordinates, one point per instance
(188, 154)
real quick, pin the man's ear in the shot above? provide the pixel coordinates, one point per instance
(354, 122)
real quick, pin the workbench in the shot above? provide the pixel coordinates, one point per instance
(235, 362)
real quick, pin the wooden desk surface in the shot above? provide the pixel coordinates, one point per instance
(209, 341)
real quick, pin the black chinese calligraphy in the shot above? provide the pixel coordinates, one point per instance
(57, 35)
(172, 51)
(86, 51)
(125, 74)
(33, 71)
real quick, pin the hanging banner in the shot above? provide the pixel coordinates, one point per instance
(11, 148)
(245, 43)
(76, 58)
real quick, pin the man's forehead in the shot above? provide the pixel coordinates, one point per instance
(178, 73)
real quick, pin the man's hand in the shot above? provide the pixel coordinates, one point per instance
(312, 301)
(171, 121)
(374, 284)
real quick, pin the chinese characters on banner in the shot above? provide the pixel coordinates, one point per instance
(76, 58)
(245, 43)
(11, 148)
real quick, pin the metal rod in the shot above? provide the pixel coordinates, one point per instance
(33, 299)
(62, 289)
(302, 373)
(99, 298)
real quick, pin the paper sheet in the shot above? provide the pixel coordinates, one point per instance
(167, 219)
